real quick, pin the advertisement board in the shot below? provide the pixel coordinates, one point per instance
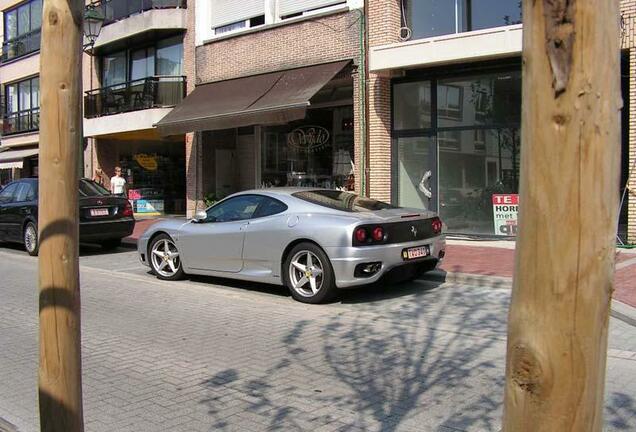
(505, 212)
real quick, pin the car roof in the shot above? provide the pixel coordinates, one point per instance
(274, 191)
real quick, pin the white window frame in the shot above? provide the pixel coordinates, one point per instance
(204, 31)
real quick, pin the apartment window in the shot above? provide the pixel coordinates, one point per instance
(22, 106)
(240, 25)
(22, 30)
(164, 58)
(294, 8)
(428, 18)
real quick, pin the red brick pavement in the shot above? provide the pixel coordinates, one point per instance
(488, 261)
(493, 261)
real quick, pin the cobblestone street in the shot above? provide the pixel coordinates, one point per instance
(209, 354)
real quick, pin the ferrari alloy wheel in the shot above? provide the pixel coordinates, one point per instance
(165, 260)
(31, 239)
(309, 275)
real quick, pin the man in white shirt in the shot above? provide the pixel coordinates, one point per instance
(117, 183)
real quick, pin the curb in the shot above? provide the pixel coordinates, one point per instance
(5, 426)
(619, 310)
(624, 312)
(468, 278)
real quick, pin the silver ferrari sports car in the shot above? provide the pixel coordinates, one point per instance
(313, 241)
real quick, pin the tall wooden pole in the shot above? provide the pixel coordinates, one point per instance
(60, 388)
(557, 334)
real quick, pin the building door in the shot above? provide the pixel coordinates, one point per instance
(417, 182)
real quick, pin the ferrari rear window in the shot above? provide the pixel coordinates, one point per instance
(340, 200)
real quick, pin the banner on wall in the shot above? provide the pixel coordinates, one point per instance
(505, 213)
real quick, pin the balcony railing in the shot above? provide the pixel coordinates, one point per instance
(115, 10)
(20, 46)
(145, 93)
(21, 121)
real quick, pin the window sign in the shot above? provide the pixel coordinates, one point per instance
(505, 212)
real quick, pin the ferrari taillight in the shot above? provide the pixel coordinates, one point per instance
(436, 224)
(361, 235)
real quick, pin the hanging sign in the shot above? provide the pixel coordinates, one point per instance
(505, 211)
(308, 138)
(147, 162)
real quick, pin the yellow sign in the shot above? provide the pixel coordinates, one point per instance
(147, 162)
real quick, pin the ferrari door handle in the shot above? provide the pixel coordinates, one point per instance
(244, 226)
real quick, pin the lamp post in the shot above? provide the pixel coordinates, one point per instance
(93, 22)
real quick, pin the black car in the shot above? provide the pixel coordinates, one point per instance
(104, 218)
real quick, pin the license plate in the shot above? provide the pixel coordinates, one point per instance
(416, 252)
(99, 212)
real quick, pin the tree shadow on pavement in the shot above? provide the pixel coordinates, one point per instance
(620, 411)
(432, 362)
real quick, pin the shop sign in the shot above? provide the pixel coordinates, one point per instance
(148, 206)
(147, 162)
(134, 194)
(505, 211)
(308, 138)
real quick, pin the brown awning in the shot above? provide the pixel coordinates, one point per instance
(272, 98)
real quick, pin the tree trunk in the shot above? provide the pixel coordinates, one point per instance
(564, 264)
(60, 388)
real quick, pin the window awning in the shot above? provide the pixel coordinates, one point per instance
(13, 158)
(271, 98)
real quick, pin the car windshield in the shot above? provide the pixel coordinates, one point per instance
(340, 200)
(89, 188)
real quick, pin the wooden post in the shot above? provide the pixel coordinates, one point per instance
(60, 388)
(557, 334)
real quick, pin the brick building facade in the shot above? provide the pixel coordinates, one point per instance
(628, 44)
(325, 36)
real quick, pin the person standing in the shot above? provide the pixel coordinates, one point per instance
(117, 183)
(98, 177)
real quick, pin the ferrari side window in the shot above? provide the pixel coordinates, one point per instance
(270, 207)
(234, 209)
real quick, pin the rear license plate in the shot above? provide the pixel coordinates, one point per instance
(416, 252)
(99, 212)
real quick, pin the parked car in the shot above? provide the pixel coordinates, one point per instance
(104, 218)
(313, 241)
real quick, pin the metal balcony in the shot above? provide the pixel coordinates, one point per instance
(21, 46)
(117, 10)
(145, 93)
(21, 122)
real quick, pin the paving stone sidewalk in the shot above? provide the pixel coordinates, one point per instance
(199, 356)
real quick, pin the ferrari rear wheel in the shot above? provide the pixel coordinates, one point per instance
(308, 274)
(164, 258)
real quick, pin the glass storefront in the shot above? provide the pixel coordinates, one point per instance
(316, 151)
(458, 147)
(155, 177)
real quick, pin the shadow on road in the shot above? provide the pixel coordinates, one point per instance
(397, 370)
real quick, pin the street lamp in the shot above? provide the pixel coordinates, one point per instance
(93, 21)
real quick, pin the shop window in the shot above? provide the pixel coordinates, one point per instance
(469, 153)
(412, 105)
(449, 140)
(449, 101)
(316, 151)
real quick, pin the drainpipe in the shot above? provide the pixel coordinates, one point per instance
(362, 78)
